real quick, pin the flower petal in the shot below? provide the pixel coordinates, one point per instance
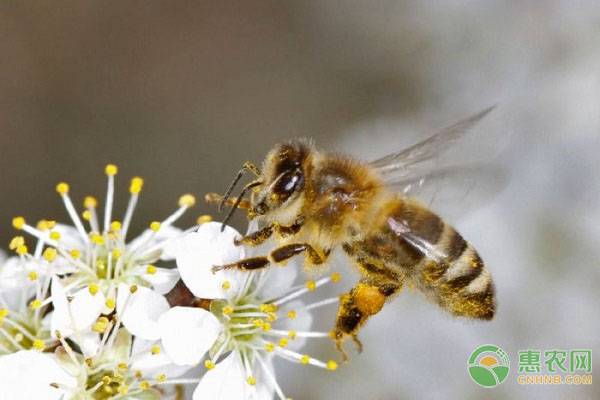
(151, 363)
(163, 280)
(302, 322)
(187, 333)
(78, 314)
(226, 381)
(28, 375)
(140, 311)
(196, 254)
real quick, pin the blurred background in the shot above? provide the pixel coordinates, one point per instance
(182, 93)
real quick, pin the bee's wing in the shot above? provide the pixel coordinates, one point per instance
(453, 191)
(402, 162)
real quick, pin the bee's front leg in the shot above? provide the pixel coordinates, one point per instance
(256, 238)
(277, 256)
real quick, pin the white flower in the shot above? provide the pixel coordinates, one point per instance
(252, 317)
(89, 265)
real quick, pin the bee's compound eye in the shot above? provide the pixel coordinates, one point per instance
(288, 183)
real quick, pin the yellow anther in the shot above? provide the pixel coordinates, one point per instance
(311, 285)
(62, 188)
(86, 215)
(209, 364)
(75, 253)
(133, 288)
(204, 219)
(89, 362)
(115, 226)
(111, 170)
(258, 322)
(97, 238)
(100, 325)
(138, 374)
(123, 389)
(269, 347)
(22, 250)
(283, 342)
(50, 254)
(145, 385)
(136, 185)
(46, 224)
(54, 235)
(305, 359)
(226, 285)
(39, 344)
(292, 314)
(267, 307)
(110, 303)
(292, 334)
(266, 327)
(155, 349)
(93, 288)
(16, 242)
(32, 275)
(116, 253)
(151, 269)
(331, 365)
(18, 222)
(122, 366)
(271, 316)
(161, 378)
(336, 277)
(227, 310)
(251, 380)
(187, 200)
(3, 312)
(155, 226)
(90, 202)
(106, 379)
(35, 304)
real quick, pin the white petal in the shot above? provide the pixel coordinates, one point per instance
(77, 315)
(163, 237)
(14, 274)
(150, 364)
(28, 374)
(89, 342)
(277, 280)
(301, 323)
(226, 381)
(187, 333)
(140, 311)
(163, 280)
(196, 254)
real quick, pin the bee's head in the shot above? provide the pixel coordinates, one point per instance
(282, 182)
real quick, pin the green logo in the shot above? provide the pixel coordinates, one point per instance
(488, 365)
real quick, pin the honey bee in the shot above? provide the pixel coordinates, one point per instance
(316, 202)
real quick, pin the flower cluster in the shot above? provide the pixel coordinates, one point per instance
(86, 313)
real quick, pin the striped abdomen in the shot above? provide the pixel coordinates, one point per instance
(433, 256)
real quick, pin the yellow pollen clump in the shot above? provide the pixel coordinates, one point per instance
(305, 359)
(136, 185)
(133, 288)
(93, 288)
(155, 226)
(45, 224)
(97, 238)
(155, 349)
(311, 285)
(62, 188)
(251, 380)
(86, 215)
(106, 380)
(145, 385)
(151, 269)
(187, 200)
(292, 314)
(35, 304)
(49, 254)
(209, 364)
(269, 347)
(204, 219)
(22, 250)
(75, 254)
(226, 285)
(115, 226)
(100, 325)
(39, 344)
(258, 322)
(111, 170)
(268, 307)
(336, 277)
(161, 378)
(116, 253)
(90, 202)
(18, 222)
(227, 310)
(32, 275)
(283, 342)
(110, 303)
(16, 242)
(122, 366)
(3, 312)
(54, 235)
(266, 327)
(271, 316)
(331, 365)
(138, 374)
(292, 334)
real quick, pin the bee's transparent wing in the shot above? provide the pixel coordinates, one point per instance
(452, 192)
(428, 150)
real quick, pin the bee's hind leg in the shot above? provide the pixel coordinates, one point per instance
(365, 299)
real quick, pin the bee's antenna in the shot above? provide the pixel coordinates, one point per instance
(238, 201)
(248, 166)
